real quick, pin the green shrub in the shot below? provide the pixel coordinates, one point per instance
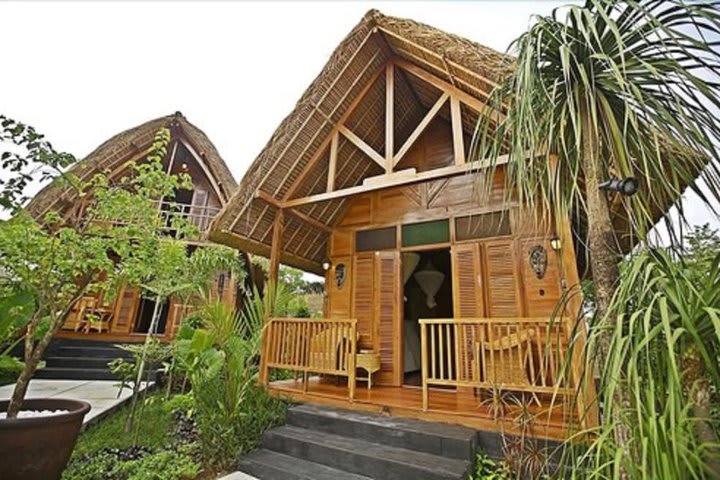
(180, 403)
(10, 368)
(163, 465)
(488, 469)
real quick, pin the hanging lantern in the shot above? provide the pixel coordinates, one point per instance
(430, 281)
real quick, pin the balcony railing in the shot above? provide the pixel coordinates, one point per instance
(516, 354)
(199, 216)
(321, 346)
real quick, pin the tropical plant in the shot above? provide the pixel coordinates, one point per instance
(221, 360)
(665, 346)
(606, 89)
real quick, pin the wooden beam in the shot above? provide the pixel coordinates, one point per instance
(465, 98)
(457, 131)
(332, 165)
(276, 247)
(389, 117)
(318, 153)
(420, 128)
(358, 142)
(394, 180)
(265, 197)
(441, 57)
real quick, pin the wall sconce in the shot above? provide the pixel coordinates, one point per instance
(556, 244)
(326, 265)
(627, 186)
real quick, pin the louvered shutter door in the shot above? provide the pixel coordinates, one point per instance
(501, 279)
(125, 309)
(363, 287)
(388, 322)
(468, 303)
(467, 288)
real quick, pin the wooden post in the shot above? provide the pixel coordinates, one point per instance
(423, 355)
(389, 117)
(351, 360)
(457, 131)
(276, 247)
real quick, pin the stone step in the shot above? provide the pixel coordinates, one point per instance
(79, 362)
(269, 465)
(88, 351)
(450, 441)
(61, 373)
(363, 457)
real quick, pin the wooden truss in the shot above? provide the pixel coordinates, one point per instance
(388, 162)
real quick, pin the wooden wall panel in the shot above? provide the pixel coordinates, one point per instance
(359, 212)
(392, 204)
(341, 243)
(388, 326)
(502, 282)
(363, 299)
(340, 298)
(541, 295)
(433, 149)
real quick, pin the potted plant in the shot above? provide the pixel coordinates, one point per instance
(112, 236)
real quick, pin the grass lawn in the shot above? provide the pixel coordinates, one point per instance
(154, 429)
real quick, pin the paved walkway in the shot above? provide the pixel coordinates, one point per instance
(102, 395)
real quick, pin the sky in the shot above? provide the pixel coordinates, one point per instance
(80, 72)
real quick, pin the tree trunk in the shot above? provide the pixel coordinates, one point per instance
(604, 258)
(138, 381)
(700, 394)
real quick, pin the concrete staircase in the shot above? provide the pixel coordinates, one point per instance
(70, 359)
(320, 443)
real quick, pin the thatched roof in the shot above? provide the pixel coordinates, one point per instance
(246, 221)
(114, 153)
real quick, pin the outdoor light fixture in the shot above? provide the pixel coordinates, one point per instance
(555, 244)
(627, 186)
(326, 265)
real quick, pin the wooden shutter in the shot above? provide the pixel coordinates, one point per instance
(125, 309)
(467, 288)
(503, 298)
(198, 212)
(363, 297)
(388, 328)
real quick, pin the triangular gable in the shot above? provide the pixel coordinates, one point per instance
(115, 154)
(338, 140)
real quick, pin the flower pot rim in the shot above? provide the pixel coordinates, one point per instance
(73, 407)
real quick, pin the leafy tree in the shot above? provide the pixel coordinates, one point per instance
(609, 88)
(113, 236)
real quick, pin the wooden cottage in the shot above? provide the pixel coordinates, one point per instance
(441, 298)
(128, 316)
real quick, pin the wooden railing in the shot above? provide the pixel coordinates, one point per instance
(516, 354)
(304, 345)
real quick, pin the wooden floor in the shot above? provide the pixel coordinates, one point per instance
(549, 420)
(108, 337)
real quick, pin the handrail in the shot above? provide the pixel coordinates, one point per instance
(306, 345)
(518, 354)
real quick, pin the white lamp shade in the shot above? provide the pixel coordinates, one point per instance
(430, 282)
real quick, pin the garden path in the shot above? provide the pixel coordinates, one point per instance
(102, 395)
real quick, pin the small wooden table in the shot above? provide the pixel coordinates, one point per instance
(370, 361)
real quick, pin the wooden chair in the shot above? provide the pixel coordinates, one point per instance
(507, 359)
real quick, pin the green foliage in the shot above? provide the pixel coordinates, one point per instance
(220, 359)
(488, 469)
(163, 465)
(155, 431)
(10, 368)
(183, 403)
(298, 307)
(636, 78)
(665, 332)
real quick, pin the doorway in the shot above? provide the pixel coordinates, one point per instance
(427, 293)
(145, 314)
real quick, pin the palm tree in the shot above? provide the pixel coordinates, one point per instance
(609, 89)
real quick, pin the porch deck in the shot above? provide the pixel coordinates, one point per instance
(552, 419)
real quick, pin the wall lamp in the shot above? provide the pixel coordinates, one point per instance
(556, 244)
(626, 186)
(326, 265)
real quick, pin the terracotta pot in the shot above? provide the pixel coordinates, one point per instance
(38, 448)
